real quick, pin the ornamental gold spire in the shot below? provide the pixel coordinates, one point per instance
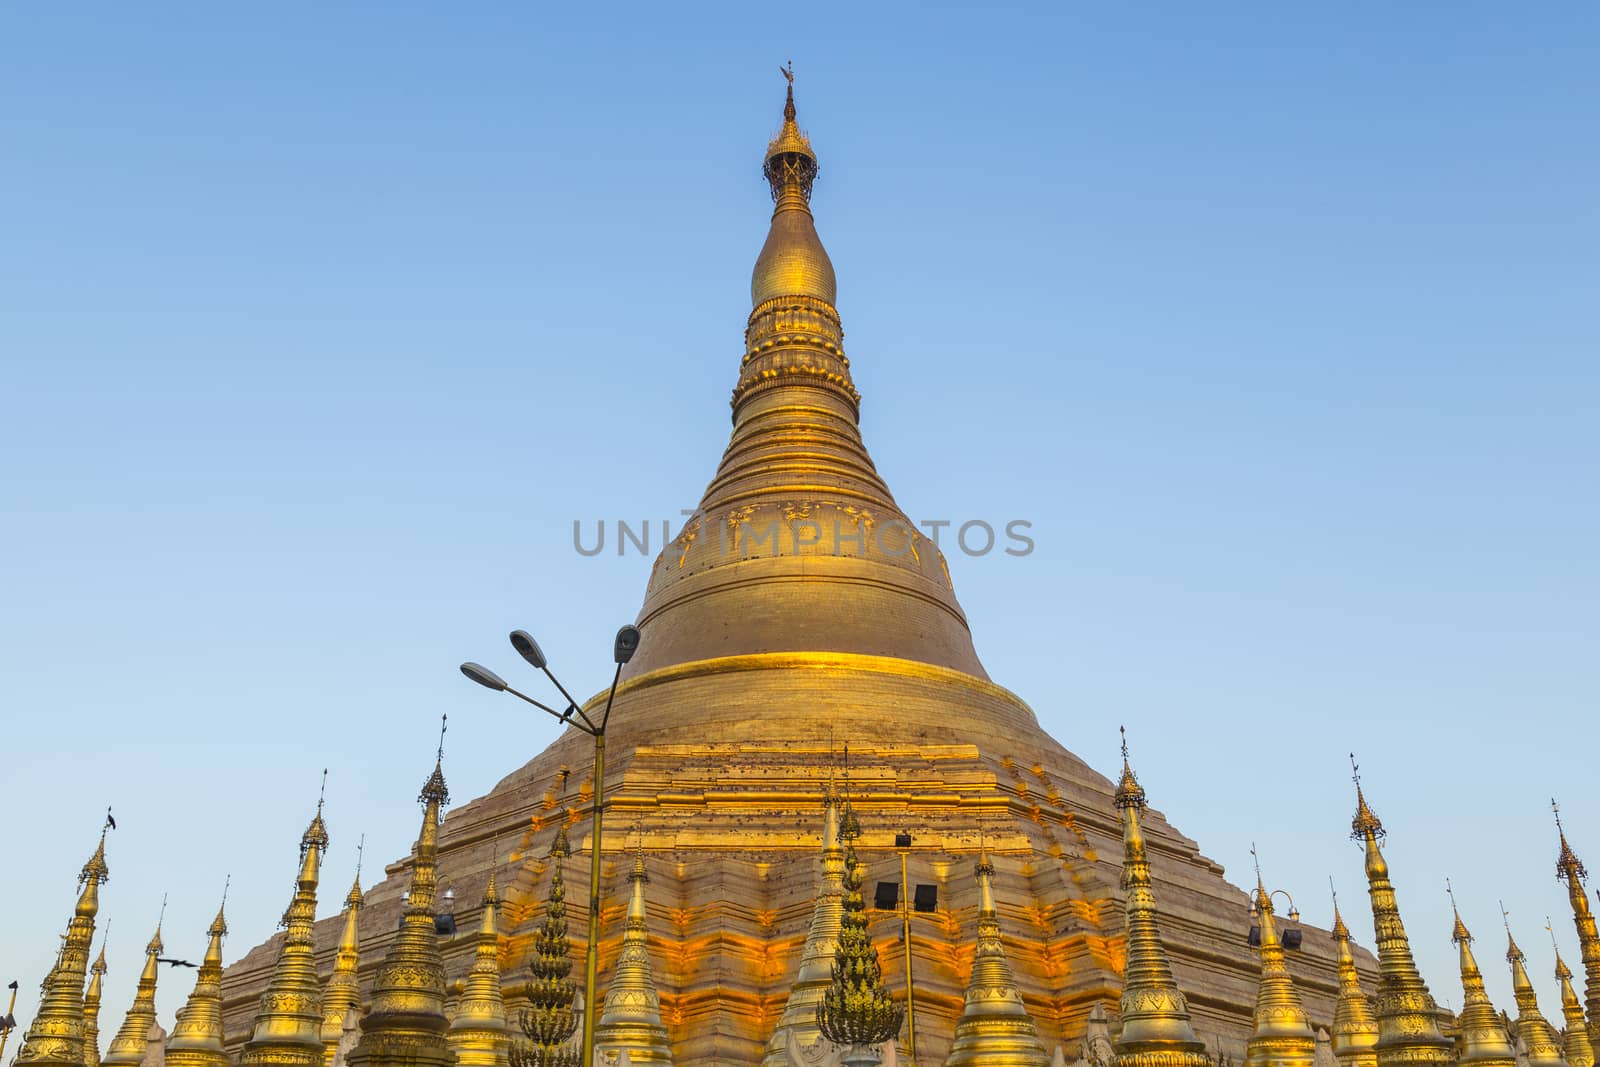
(1408, 1033)
(55, 1038)
(1155, 1017)
(549, 1021)
(1571, 871)
(631, 1019)
(1576, 1045)
(91, 1009)
(128, 1048)
(406, 1023)
(1481, 1034)
(857, 1012)
(1282, 1035)
(288, 1023)
(1535, 1033)
(197, 1034)
(995, 1029)
(342, 995)
(1355, 1032)
(798, 1023)
(478, 1033)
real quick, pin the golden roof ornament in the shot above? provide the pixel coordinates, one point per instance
(995, 1029)
(91, 1006)
(857, 1013)
(631, 1019)
(342, 995)
(1155, 1016)
(132, 1041)
(550, 1019)
(197, 1035)
(1533, 1030)
(793, 262)
(479, 1034)
(55, 1037)
(1355, 1031)
(1576, 1046)
(1481, 1035)
(797, 1027)
(1281, 1035)
(406, 1023)
(288, 1023)
(1408, 1032)
(791, 165)
(1571, 872)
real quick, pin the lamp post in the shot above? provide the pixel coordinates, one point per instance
(623, 648)
(8, 1022)
(902, 844)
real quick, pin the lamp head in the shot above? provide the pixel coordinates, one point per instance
(484, 677)
(528, 649)
(626, 645)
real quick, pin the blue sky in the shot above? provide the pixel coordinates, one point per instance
(319, 327)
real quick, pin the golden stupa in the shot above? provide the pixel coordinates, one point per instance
(799, 610)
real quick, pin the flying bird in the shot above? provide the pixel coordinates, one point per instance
(175, 963)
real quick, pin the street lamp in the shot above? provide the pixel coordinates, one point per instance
(622, 650)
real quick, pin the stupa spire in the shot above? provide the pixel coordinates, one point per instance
(132, 1041)
(1533, 1030)
(1570, 870)
(406, 1023)
(631, 1018)
(1408, 1033)
(479, 1035)
(798, 1023)
(197, 1034)
(91, 1006)
(1282, 1035)
(857, 1012)
(1355, 1031)
(995, 1029)
(1576, 1045)
(288, 1023)
(550, 1019)
(342, 995)
(1155, 1016)
(1482, 1036)
(55, 1037)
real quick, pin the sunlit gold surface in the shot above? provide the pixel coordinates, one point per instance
(631, 1019)
(1481, 1035)
(288, 1020)
(479, 1035)
(797, 1026)
(1533, 1030)
(995, 1029)
(91, 1010)
(1282, 1036)
(197, 1039)
(55, 1037)
(1355, 1031)
(1571, 872)
(1579, 1052)
(132, 1041)
(342, 994)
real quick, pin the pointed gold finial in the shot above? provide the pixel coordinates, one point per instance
(1571, 872)
(1281, 1034)
(1577, 1047)
(197, 1035)
(1155, 1015)
(1533, 1030)
(132, 1041)
(995, 1029)
(630, 1019)
(1355, 1031)
(549, 1021)
(1408, 1033)
(1481, 1033)
(479, 1034)
(341, 998)
(91, 1004)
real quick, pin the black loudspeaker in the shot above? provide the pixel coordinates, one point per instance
(887, 897)
(926, 898)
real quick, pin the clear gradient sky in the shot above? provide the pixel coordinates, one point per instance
(319, 326)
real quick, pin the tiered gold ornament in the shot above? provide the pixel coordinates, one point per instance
(1570, 870)
(1534, 1032)
(631, 1020)
(288, 1023)
(197, 1034)
(342, 995)
(91, 1010)
(1155, 1017)
(857, 1013)
(550, 1019)
(1282, 1036)
(478, 1032)
(1355, 1031)
(132, 1042)
(406, 1024)
(1576, 1045)
(1408, 1032)
(797, 1027)
(55, 1038)
(1481, 1034)
(995, 1029)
